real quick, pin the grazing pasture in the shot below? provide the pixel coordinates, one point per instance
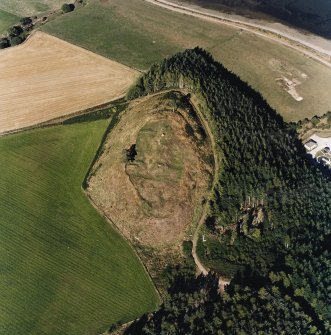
(138, 34)
(29, 7)
(7, 20)
(64, 269)
(46, 78)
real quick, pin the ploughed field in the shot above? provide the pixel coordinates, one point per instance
(46, 78)
(64, 269)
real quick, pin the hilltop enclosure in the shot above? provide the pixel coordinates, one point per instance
(159, 161)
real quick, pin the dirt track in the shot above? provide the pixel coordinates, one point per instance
(200, 267)
(46, 78)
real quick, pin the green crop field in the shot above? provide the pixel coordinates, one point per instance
(30, 7)
(63, 268)
(137, 34)
(7, 20)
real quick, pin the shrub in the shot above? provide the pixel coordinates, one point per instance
(4, 43)
(26, 21)
(15, 31)
(16, 40)
(66, 8)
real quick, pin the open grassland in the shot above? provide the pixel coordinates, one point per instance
(46, 78)
(29, 7)
(7, 20)
(137, 34)
(64, 270)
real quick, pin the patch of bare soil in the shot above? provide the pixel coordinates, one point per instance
(288, 77)
(154, 172)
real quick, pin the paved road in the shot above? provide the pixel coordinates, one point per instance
(292, 42)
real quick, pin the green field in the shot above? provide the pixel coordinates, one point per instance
(30, 7)
(137, 34)
(64, 269)
(7, 20)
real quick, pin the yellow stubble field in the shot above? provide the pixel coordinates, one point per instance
(46, 78)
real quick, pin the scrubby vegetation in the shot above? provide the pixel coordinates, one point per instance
(270, 211)
(66, 8)
(316, 123)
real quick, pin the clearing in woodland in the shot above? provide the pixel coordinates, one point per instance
(46, 78)
(64, 269)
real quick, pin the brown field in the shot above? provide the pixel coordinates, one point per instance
(46, 78)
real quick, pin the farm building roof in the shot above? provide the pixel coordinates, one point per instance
(311, 144)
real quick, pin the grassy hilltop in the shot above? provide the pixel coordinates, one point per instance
(64, 270)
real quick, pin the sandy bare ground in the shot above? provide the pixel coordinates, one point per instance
(46, 78)
(310, 45)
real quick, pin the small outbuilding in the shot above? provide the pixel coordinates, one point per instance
(311, 145)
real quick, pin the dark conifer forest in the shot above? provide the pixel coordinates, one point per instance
(270, 216)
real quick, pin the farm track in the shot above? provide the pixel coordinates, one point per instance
(200, 267)
(297, 44)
